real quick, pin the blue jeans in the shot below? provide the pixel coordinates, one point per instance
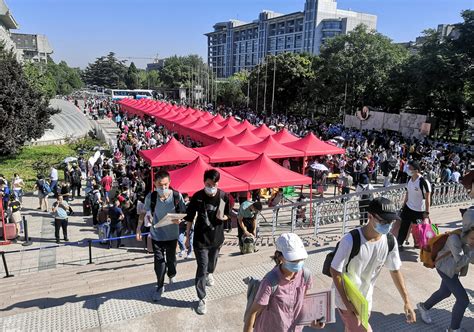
(116, 231)
(105, 228)
(450, 286)
(53, 186)
(181, 240)
(18, 194)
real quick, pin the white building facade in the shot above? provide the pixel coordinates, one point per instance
(235, 45)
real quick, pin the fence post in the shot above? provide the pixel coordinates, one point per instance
(27, 241)
(274, 221)
(7, 274)
(316, 220)
(90, 251)
(293, 219)
(344, 219)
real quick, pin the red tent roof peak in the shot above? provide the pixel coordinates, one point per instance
(313, 146)
(263, 131)
(224, 151)
(246, 137)
(273, 149)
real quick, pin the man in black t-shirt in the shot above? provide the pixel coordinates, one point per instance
(211, 206)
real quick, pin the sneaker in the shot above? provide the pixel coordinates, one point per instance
(189, 256)
(180, 254)
(201, 308)
(210, 280)
(172, 280)
(425, 314)
(157, 294)
(66, 240)
(57, 241)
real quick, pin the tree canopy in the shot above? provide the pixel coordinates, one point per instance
(24, 111)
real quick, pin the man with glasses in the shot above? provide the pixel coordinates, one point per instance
(375, 248)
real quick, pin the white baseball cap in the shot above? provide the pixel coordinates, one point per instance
(291, 246)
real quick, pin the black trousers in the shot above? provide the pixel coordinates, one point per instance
(206, 263)
(95, 212)
(75, 188)
(58, 224)
(162, 249)
(408, 217)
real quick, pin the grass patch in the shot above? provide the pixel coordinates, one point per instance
(33, 160)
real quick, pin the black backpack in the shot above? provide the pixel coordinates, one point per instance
(354, 251)
(154, 198)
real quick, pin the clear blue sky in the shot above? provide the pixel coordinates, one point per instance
(81, 30)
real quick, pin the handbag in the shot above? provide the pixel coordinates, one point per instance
(423, 232)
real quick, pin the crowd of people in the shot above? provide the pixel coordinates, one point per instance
(123, 199)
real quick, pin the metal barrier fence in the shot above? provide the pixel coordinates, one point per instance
(297, 217)
(344, 209)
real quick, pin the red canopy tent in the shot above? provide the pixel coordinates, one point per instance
(230, 121)
(218, 118)
(199, 122)
(245, 125)
(225, 151)
(263, 131)
(208, 127)
(171, 153)
(284, 136)
(189, 179)
(207, 116)
(313, 146)
(246, 137)
(265, 173)
(226, 131)
(189, 119)
(273, 149)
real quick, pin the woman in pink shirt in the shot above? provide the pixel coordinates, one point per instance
(277, 308)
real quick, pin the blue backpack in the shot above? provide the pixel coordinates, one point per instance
(45, 188)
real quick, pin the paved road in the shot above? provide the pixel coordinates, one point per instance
(115, 294)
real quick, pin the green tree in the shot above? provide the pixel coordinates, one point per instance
(132, 78)
(292, 73)
(41, 79)
(354, 70)
(150, 80)
(230, 91)
(106, 71)
(441, 77)
(24, 111)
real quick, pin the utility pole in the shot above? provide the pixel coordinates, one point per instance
(273, 90)
(258, 85)
(265, 90)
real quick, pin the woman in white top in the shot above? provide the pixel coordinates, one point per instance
(17, 186)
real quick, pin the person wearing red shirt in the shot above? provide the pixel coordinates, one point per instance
(106, 183)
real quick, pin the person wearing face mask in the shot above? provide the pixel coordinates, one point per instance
(377, 248)
(247, 221)
(208, 210)
(416, 206)
(164, 239)
(280, 295)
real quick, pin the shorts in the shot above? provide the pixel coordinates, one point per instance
(350, 322)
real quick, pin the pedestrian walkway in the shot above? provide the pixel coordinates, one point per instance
(115, 294)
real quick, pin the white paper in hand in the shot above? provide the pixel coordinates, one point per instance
(168, 219)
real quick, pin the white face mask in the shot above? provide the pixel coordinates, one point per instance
(211, 191)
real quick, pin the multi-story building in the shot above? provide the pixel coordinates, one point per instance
(35, 48)
(157, 65)
(235, 45)
(7, 23)
(445, 31)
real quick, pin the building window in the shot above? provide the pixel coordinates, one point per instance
(289, 42)
(280, 43)
(298, 41)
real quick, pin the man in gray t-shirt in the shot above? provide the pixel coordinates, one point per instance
(164, 237)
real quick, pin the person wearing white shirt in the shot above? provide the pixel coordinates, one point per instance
(378, 248)
(455, 176)
(53, 175)
(417, 201)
